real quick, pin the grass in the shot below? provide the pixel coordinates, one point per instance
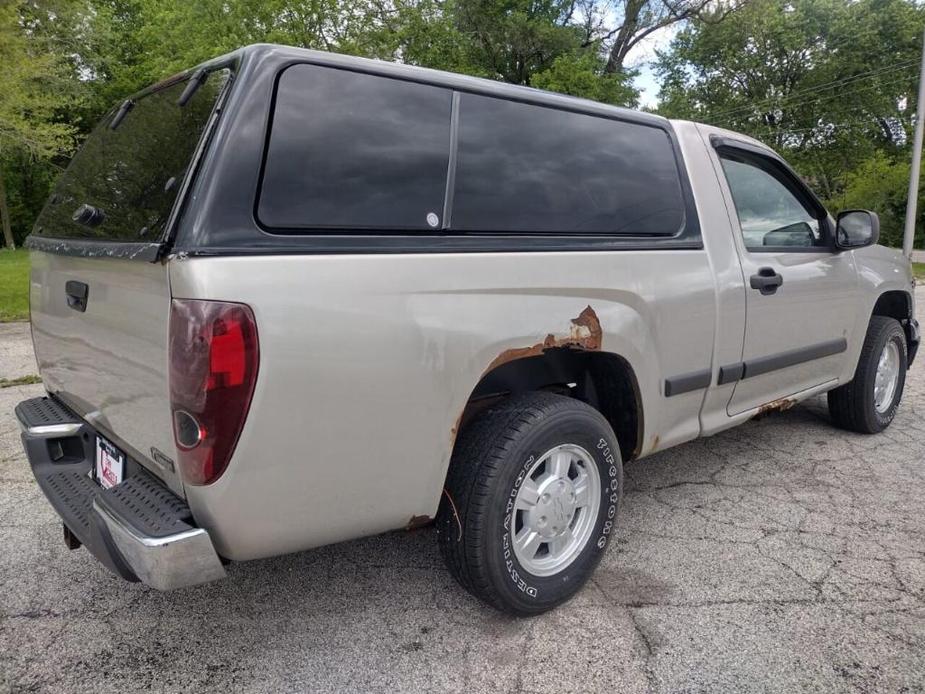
(14, 285)
(21, 381)
(918, 269)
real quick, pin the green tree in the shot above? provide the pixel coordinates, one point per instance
(72, 59)
(509, 40)
(176, 36)
(29, 101)
(585, 75)
(882, 184)
(512, 40)
(825, 82)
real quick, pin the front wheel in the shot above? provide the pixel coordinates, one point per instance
(530, 502)
(868, 403)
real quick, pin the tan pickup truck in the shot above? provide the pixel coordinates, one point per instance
(289, 298)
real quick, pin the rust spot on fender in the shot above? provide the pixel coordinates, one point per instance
(776, 405)
(588, 328)
(418, 522)
(655, 441)
(584, 333)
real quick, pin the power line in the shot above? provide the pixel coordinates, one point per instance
(871, 121)
(822, 126)
(828, 46)
(826, 86)
(728, 122)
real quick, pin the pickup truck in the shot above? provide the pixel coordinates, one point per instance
(289, 298)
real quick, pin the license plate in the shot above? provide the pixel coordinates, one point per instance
(110, 463)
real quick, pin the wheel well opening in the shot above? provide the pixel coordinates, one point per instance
(604, 380)
(894, 304)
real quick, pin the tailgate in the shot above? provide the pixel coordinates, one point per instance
(100, 306)
(108, 363)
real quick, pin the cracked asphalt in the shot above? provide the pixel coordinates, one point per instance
(781, 556)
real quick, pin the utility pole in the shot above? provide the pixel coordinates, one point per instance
(913, 199)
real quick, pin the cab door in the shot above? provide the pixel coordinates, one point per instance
(801, 294)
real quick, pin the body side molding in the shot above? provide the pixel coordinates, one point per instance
(762, 365)
(730, 373)
(685, 383)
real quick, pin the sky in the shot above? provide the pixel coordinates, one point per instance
(641, 59)
(647, 85)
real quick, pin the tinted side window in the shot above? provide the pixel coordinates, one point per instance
(770, 214)
(524, 168)
(132, 174)
(355, 151)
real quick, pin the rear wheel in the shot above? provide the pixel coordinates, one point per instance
(530, 502)
(869, 402)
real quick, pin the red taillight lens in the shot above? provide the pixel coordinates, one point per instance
(213, 369)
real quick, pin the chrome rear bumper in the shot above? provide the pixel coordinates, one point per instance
(182, 559)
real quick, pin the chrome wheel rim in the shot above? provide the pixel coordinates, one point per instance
(887, 378)
(555, 510)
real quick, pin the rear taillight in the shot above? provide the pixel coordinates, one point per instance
(213, 369)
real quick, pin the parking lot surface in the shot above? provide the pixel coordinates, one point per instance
(781, 556)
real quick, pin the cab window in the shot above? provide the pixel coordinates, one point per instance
(771, 215)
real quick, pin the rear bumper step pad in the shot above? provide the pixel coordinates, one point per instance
(138, 529)
(46, 418)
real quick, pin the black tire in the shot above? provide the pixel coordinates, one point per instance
(852, 405)
(491, 457)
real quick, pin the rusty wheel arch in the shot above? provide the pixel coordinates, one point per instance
(571, 363)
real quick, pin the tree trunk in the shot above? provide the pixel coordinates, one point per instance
(5, 215)
(625, 36)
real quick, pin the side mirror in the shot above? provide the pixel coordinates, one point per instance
(856, 228)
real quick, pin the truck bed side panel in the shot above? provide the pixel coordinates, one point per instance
(367, 362)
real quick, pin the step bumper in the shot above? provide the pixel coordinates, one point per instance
(138, 529)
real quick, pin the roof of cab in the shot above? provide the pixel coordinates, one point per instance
(278, 57)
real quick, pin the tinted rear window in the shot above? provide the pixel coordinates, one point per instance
(132, 174)
(523, 168)
(354, 151)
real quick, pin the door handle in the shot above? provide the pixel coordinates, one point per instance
(77, 294)
(766, 281)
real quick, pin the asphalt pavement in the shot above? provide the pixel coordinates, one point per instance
(784, 555)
